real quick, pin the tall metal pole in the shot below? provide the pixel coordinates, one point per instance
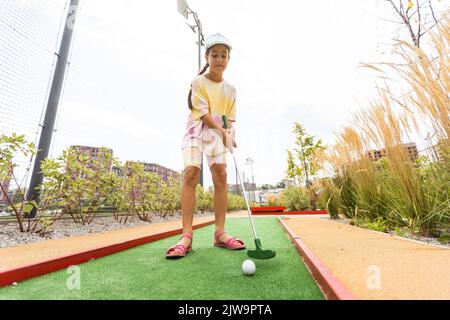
(199, 31)
(253, 183)
(52, 105)
(199, 26)
(434, 153)
(237, 189)
(243, 179)
(185, 11)
(253, 188)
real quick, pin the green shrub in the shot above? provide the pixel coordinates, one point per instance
(444, 239)
(322, 199)
(294, 198)
(204, 200)
(379, 224)
(236, 202)
(275, 202)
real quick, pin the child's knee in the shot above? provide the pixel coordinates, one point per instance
(191, 176)
(220, 175)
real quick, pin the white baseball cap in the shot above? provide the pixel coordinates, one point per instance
(217, 38)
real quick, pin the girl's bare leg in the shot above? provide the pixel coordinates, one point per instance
(190, 180)
(219, 177)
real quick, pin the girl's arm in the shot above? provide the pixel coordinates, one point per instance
(210, 122)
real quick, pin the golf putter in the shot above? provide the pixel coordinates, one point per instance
(259, 252)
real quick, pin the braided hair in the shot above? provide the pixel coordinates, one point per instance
(190, 91)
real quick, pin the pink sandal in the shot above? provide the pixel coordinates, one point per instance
(233, 243)
(179, 250)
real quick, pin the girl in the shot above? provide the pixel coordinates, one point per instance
(210, 98)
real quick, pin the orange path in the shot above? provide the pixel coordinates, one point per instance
(374, 265)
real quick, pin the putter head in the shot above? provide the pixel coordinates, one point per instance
(260, 253)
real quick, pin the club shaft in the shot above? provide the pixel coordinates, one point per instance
(245, 197)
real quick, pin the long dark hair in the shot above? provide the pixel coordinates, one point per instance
(190, 91)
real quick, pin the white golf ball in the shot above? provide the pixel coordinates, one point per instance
(248, 267)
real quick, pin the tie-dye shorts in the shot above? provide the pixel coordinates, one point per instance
(193, 157)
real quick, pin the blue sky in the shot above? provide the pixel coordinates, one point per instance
(293, 61)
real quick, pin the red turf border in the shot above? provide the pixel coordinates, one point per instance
(268, 209)
(306, 212)
(332, 288)
(40, 268)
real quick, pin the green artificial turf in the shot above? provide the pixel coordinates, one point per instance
(206, 273)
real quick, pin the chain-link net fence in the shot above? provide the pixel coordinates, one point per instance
(30, 33)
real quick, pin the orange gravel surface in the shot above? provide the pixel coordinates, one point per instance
(374, 265)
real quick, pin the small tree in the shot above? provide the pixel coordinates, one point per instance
(170, 197)
(139, 191)
(117, 194)
(43, 219)
(159, 199)
(302, 162)
(149, 190)
(81, 184)
(99, 182)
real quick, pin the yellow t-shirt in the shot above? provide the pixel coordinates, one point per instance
(215, 98)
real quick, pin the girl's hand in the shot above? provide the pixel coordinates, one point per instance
(228, 138)
(224, 136)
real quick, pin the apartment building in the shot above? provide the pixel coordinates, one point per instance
(164, 172)
(410, 149)
(93, 153)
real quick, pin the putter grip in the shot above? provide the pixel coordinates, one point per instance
(225, 122)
